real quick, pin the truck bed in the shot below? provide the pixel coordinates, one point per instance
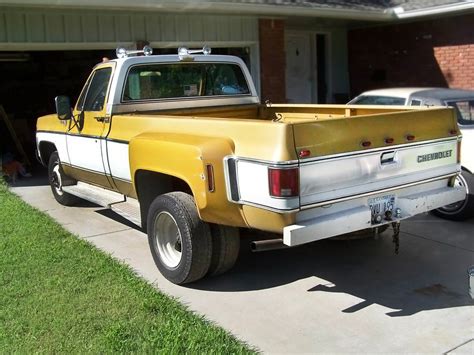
(332, 129)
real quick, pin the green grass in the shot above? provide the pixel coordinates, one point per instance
(60, 294)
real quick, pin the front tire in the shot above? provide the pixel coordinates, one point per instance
(462, 210)
(180, 242)
(57, 178)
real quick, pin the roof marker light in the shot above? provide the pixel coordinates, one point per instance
(304, 153)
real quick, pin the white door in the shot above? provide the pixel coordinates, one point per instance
(299, 68)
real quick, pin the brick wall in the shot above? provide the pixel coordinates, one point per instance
(428, 53)
(272, 60)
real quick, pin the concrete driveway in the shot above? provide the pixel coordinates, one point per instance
(325, 297)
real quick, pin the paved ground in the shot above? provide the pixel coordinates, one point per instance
(328, 296)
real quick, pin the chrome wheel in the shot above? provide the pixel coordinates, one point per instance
(168, 239)
(457, 206)
(56, 180)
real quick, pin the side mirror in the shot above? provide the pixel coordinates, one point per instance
(63, 107)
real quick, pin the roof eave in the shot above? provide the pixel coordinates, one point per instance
(211, 7)
(399, 13)
(391, 14)
(286, 11)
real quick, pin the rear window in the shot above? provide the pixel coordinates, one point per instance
(378, 100)
(464, 111)
(179, 80)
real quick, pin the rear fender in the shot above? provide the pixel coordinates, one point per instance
(186, 157)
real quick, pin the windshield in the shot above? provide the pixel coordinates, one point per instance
(177, 80)
(378, 100)
(464, 110)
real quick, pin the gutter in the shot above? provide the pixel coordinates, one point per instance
(401, 14)
(207, 7)
(201, 6)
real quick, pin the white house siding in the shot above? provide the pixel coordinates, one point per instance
(44, 29)
(30, 28)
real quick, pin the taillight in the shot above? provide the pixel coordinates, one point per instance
(283, 182)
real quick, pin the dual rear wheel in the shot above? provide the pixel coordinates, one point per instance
(185, 248)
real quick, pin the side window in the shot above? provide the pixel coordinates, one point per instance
(82, 98)
(379, 100)
(464, 111)
(415, 102)
(97, 90)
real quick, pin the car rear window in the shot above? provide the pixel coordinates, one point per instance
(465, 111)
(378, 100)
(179, 80)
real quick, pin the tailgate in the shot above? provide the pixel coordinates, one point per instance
(351, 175)
(358, 155)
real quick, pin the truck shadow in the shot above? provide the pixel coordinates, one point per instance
(424, 276)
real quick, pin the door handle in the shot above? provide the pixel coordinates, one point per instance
(102, 119)
(387, 158)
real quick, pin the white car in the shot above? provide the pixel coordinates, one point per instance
(463, 102)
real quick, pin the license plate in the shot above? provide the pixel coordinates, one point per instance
(379, 207)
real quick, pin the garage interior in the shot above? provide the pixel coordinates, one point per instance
(31, 80)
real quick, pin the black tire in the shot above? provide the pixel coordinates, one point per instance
(179, 241)
(57, 180)
(225, 248)
(462, 210)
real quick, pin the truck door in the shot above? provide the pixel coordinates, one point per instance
(86, 136)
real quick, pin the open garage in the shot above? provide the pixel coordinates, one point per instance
(50, 52)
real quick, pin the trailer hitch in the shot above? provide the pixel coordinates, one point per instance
(396, 236)
(395, 226)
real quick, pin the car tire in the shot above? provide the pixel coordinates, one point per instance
(180, 242)
(57, 179)
(461, 210)
(225, 248)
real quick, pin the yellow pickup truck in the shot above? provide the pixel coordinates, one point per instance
(181, 146)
